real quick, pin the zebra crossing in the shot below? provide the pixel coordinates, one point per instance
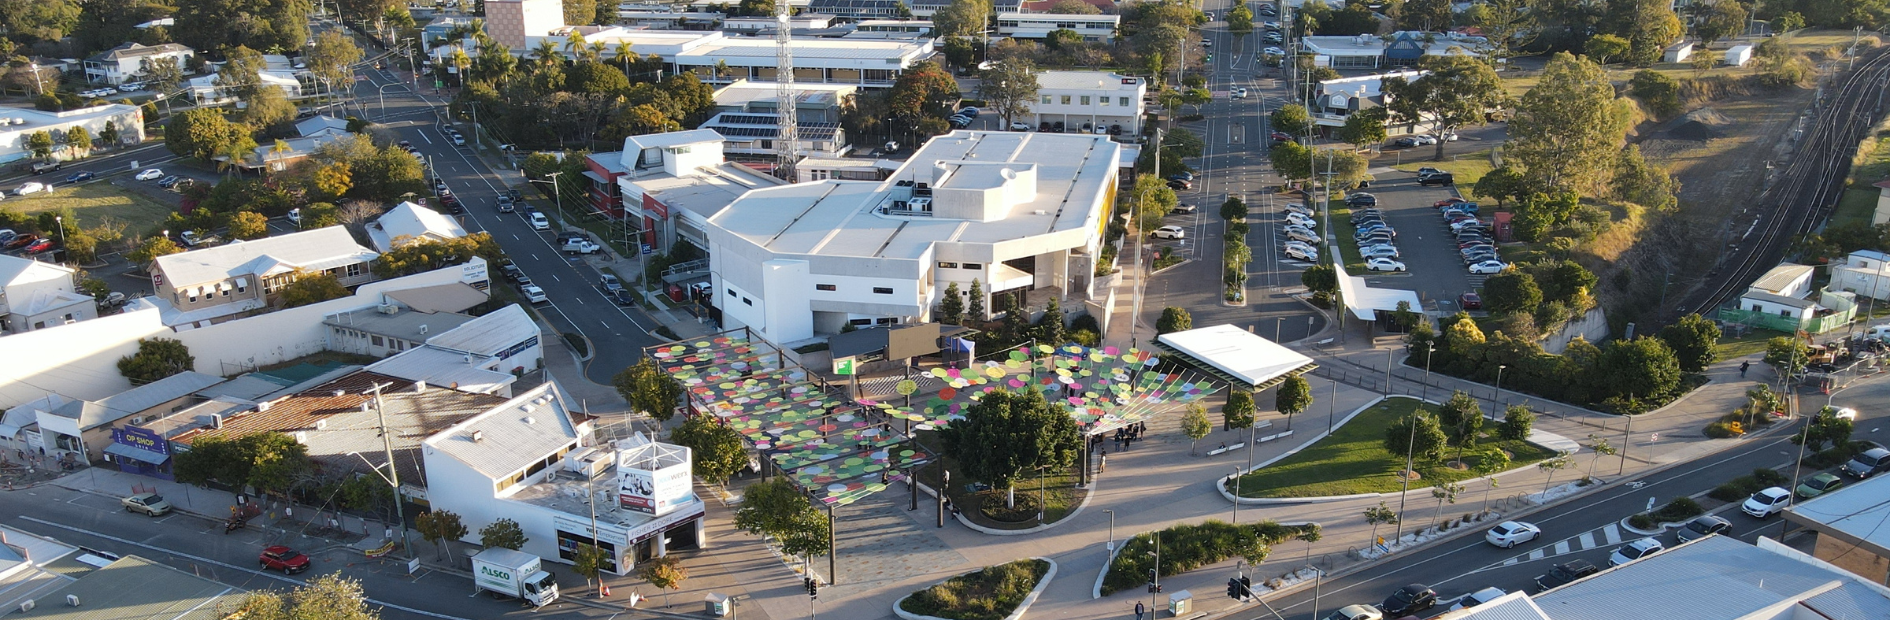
(1605, 536)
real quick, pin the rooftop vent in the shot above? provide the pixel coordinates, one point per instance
(531, 420)
(478, 436)
(72, 599)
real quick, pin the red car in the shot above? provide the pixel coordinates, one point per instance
(1447, 202)
(1470, 301)
(22, 241)
(284, 559)
(39, 246)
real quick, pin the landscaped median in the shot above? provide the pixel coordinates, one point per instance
(997, 592)
(1354, 460)
(1188, 547)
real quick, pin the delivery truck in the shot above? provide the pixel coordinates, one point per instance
(515, 574)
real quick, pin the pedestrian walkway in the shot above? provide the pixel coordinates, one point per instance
(1605, 536)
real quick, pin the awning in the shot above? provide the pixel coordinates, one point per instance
(1236, 356)
(135, 454)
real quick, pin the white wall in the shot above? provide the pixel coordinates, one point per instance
(1773, 309)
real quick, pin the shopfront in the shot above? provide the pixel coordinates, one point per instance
(139, 451)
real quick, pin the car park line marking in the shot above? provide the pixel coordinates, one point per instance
(423, 136)
(1561, 547)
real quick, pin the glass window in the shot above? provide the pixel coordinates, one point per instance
(748, 301)
(882, 290)
(824, 287)
(1066, 100)
(1046, 100)
(974, 265)
(377, 341)
(354, 270)
(1085, 99)
(1105, 100)
(946, 265)
(1122, 101)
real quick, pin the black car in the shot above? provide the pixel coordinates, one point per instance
(623, 297)
(513, 194)
(1564, 574)
(1361, 200)
(1179, 184)
(1437, 179)
(1409, 600)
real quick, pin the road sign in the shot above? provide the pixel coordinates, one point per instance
(843, 366)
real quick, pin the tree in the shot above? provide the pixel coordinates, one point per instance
(151, 249)
(248, 225)
(439, 527)
(1016, 324)
(1291, 118)
(1490, 462)
(1458, 92)
(156, 359)
(1511, 291)
(776, 508)
(1507, 25)
(952, 307)
(40, 20)
(1342, 168)
(922, 94)
(1195, 425)
(276, 461)
(665, 573)
(588, 561)
(1380, 515)
(716, 450)
(1320, 278)
(202, 133)
(1153, 199)
(1568, 128)
(1648, 25)
(1549, 467)
(109, 134)
(1606, 48)
(328, 597)
(77, 139)
(1008, 434)
(259, 24)
(1364, 127)
(974, 311)
(1174, 320)
(1788, 21)
(1787, 355)
(962, 19)
(410, 256)
(1239, 20)
(1050, 327)
(502, 534)
(1426, 443)
(309, 288)
(1462, 421)
(1445, 492)
(1291, 161)
(1823, 428)
(1009, 88)
(1702, 61)
(1233, 209)
(1659, 91)
(1601, 448)
(40, 143)
(1074, 7)
(1693, 339)
(1239, 410)
(330, 181)
(1518, 422)
(649, 390)
(241, 73)
(320, 215)
(331, 56)
(1292, 397)
(1642, 368)
(755, 8)
(268, 107)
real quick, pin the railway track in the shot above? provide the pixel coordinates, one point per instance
(1808, 190)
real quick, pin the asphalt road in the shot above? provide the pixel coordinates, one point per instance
(576, 305)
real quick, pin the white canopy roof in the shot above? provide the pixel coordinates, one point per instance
(1242, 356)
(1365, 302)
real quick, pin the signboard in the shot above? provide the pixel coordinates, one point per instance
(141, 439)
(845, 366)
(653, 491)
(494, 577)
(474, 272)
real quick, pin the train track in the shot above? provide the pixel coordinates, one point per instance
(1809, 188)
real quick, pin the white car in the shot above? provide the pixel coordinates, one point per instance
(150, 174)
(295, 217)
(534, 294)
(1020, 126)
(1843, 413)
(1168, 232)
(1301, 253)
(1294, 207)
(1511, 533)
(1425, 139)
(1767, 502)
(540, 222)
(1300, 220)
(1488, 267)
(1273, 51)
(30, 187)
(1634, 551)
(1382, 250)
(1383, 264)
(1476, 598)
(1240, 93)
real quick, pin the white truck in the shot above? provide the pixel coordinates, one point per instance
(515, 574)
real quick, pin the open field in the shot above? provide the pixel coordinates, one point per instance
(1466, 168)
(1353, 460)
(95, 202)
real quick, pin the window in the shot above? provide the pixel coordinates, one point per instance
(242, 285)
(1085, 99)
(225, 290)
(1066, 100)
(1785, 313)
(882, 290)
(193, 295)
(354, 270)
(748, 301)
(1105, 100)
(1122, 101)
(861, 321)
(731, 292)
(1046, 100)
(378, 341)
(508, 482)
(974, 266)
(946, 265)
(825, 287)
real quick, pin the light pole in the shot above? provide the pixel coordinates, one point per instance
(1236, 497)
(1405, 476)
(1430, 351)
(555, 194)
(1111, 545)
(1499, 385)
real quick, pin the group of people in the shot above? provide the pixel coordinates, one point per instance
(1127, 435)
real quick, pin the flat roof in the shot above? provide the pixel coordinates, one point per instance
(133, 588)
(1090, 80)
(704, 194)
(1854, 513)
(1243, 356)
(1778, 278)
(840, 218)
(525, 430)
(1715, 578)
(404, 324)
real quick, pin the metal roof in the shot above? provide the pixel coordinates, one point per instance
(1781, 277)
(489, 334)
(445, 368)
(321, 248)
(411, 222)
(14, 269)
(452, 297)
(508, 438)
(134, 588)
(1239, 356)
(1854, 514)
(403, 324)
(1716, 578)
(636, 144)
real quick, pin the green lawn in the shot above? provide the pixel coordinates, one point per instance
(95, 202)
(1348, 246)
(1467, 168)
(1752, 342)
(1353, 460)
(1060, 489)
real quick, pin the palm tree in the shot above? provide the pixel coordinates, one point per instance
(275, 151)
(624, 55)
(576, 47)
(547, 53)
(460, 62)
(233, 153)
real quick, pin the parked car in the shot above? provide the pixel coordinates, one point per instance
(1296, 233)
(1181, 176)
(1703, 526)
(1470, 301)
(151, 504)
(1381, 250)
(581, 246)
(1182, 208)
(1179, 184)
(1511, 533)
(1168, 232)
(80, 176)
(511, 272)
(609, 283)
(1294, 207)
(1818, 484)
(1280, 136)
(30, 187)
(1356, 612)
(1299, 253)
(970, 112)
(1487, 267)
(622, 297)
(1361, 199)
(540, 222)
(1273, 51)
(1867, 463)
(1766, 502)
(1384, 264)
(1564, 574)
(190, 238)
(1447, 202)
(20, 241)
(1020, 126)
(1635, 550)
(1444, 179)
(534, 294)
(1295, 218)
(38, 246)
(284, 559)
(168, 182)
(1478, 597)
(149, 173)
(1409, 600)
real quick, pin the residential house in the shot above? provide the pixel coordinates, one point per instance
(37, 295)
(408, 222)
(127, 62)
(1338, 99)
(217, 283)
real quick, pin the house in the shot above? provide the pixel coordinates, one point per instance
(751, 137)
(128, 61)
(1085, 101)
(36, 295)
(220, 282)
(1399, 49)
(387, 329)
(526, 461)
(84, 428)
(1846, 523)
(1013, 211)
(321, 125)
(1093, 28)
(206, 89)
(507, 339)
(409, 222)
(676, 182)
(1781, 300)
(1719, 577)
(1865, 273)
(17, 124)
(1337, 99)
(129, 588)
(279, 155)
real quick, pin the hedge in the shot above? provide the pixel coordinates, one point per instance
(990, 593)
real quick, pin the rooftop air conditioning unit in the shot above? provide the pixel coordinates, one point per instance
(27, 605)
(478, 435)
(72, 599)
(389, 309)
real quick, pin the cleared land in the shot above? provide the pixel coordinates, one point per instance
(94, 203)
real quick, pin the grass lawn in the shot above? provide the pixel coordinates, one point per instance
(1467, 168)
(1856, 205)
(991, 593)
(1348, 246)
(95, 202)
(1353, 460)
(1060, 489)
(1753, 342)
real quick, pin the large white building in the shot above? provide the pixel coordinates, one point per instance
(125, 62)
(37, 295)
(1094, 28)
(866, 63)
(1089, 101)
(1398, 49)
(674, 182)
(16, 124)
(1014, 211)
(511, 22)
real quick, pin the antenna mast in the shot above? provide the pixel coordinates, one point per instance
(785, 138)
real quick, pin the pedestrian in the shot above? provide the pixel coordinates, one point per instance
(1102, 461)
(1743, 366)
(1139, 610)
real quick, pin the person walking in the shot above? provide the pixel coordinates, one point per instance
(1102, 461)
(1139, 610)
(1743, 366)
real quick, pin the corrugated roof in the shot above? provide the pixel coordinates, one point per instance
(1716, 578)
(511, 437)
(636, 144)
(1857, 511)
(158, 392)
(1778, 278)
(15, 270)
(444, 368)
(309, 249)
(1511, 606)
(402, 324)
(1791, 302)
(489, 334)
(454, 297)
(244, 387)
(134, 588)
(411, 222)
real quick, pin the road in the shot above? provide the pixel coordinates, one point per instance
(576, 305)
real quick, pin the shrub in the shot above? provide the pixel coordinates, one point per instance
(1641, 521)
(1085, 321)
(1768, 477)
(1188, 547)
(988, 594)
(1680, 509)
(1720, 430)
(1729, 492)
(1085, 337)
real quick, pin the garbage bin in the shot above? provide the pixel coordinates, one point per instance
(715, 605)
(1180, 602)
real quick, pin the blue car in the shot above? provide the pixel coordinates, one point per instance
(1181, 176)
(80, 176)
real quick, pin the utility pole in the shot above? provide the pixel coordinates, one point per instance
(1135, 214)
(393, 473)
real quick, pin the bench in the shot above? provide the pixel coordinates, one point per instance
(1264, 424)
(1284, 434)
(1226, 449)
(1325, 343)
(1267, 438)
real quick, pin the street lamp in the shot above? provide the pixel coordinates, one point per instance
(1237, 496)
(1111, 545)
(1499, 384)
(555, 195)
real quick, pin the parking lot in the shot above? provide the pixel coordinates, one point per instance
(1434, 269)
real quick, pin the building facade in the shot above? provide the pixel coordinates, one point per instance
(126, 62)
(1086, 101)
(1093, 28)
(18, 124)
(246, 275)
(37, 295)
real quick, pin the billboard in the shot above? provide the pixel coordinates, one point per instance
(654, 478)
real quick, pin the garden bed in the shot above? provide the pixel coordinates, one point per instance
(991, 593)
(1188, 547)
(1353, 460)
(985, 507)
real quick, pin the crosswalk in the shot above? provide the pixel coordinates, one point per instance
(1605, 536)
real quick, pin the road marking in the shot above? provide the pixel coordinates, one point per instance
(423, 136)
(1537, 554)
(1612, 534)
(1587, 539)
(1560, 548)
(555, 276)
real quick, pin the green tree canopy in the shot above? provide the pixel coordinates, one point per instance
(1007, 435)
(717, 451)
(310, 288)
(156, 359)
(1426, 443)
(777, 509)
(1292, 396)
(1458, 91)
(201, 133)
(1517, 422)
(1511, 291)
(1239, 410)
(1174, 319)
(649, 390)
(1693, 339)
(1568, 128)
(502, 534)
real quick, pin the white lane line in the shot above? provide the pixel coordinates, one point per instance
(1588, 540)
(1612, 534)
(423, 136)
(1561, 547)
(1511, 561)
(1538, 554)
(555, 277)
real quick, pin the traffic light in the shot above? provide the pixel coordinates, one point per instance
(1233, 588)
(1246, 587)
(813, 587)
(1151, 580)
